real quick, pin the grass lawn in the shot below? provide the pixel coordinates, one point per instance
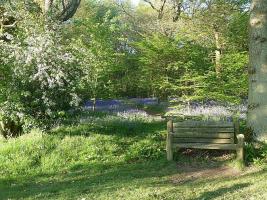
(118, 157)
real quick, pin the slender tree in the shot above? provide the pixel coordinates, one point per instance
(67, 8)
(257, 109)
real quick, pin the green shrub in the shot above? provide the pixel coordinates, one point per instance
(256, 153)
(11, 120)
(155, 109)
(146, 149)
(21, 155)
(95, 139)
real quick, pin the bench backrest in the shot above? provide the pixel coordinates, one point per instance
(210, 132)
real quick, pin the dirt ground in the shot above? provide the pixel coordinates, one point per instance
(192, 173)
(195, 170)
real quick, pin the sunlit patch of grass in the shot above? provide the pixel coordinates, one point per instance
(103, 138)
(109, 156)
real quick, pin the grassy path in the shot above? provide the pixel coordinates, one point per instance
(150, 180)
(109, 157)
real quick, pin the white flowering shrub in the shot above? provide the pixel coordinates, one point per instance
(39, 74)
(46, 73)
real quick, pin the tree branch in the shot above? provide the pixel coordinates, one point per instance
(9, 25)
(151, 4)
(69, 10)
(177, 7)
(123, 9)
(161, 9)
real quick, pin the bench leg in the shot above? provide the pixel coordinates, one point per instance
(169, 147)
(240, 154)
(240, 149)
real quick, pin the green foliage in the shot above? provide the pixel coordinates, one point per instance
(17, 156)
(150, 148)
(157, 109)
(89, 160)
(174, 67)
(114, 50)
(231, 85)
(51, 76)
(38, 70)
(96, 138)
(256, 153)
(109, 50)
(237, 34)
(11, 120)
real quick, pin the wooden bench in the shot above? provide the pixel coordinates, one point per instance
(204, 135)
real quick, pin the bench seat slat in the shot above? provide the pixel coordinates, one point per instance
(203, 135)
(204, 130)
(207, 146)
(202, 126)
(190, 123)
(204, 140)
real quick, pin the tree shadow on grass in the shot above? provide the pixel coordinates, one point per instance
(96, 179)
(221, 191)
(84, 179)
(214, 187)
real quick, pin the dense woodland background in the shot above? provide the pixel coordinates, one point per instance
(200, 59)
(193, 50)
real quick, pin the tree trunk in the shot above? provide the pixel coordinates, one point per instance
(257, 108)
(217, 52)
(94, 104)
(48, 5)
(67, 10)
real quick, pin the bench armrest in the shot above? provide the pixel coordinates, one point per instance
(240, 149)
(169, 145)
(240, 140)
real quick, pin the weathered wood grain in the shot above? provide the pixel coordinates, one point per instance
(169, 147)
(170, 126)
(204, 140)
(204, 135)
(207, 146)
(207, 124)
(204, 129)
(240, 149)
(188, 134)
